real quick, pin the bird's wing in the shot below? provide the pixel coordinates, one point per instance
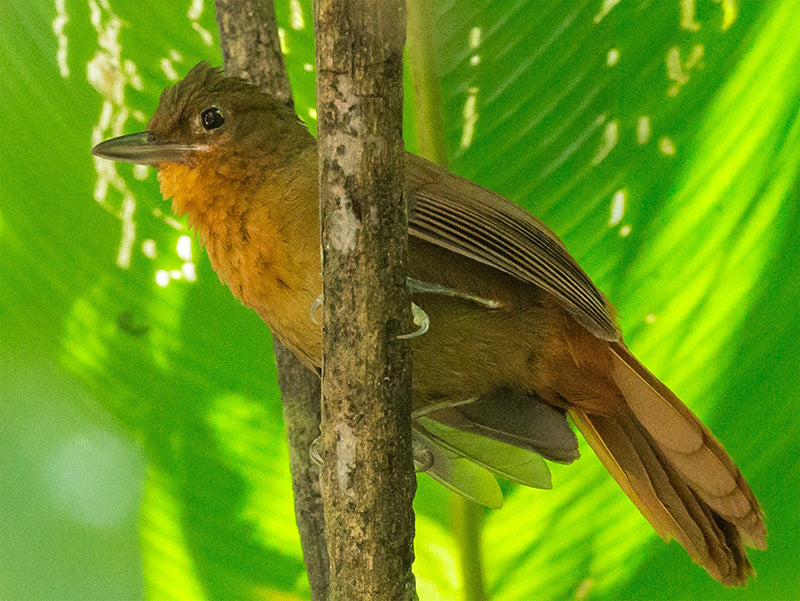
(463, 217)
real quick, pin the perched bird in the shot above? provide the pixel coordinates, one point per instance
(519, 338)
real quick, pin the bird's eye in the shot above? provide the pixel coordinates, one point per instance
(212, 118)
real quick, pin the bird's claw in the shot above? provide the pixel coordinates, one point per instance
(421, 320)
(316, 306)
(423, 456)
(314, 451)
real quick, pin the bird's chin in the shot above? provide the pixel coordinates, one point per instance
(172, 179)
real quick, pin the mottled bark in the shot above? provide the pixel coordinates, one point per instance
(367, 479)
(300, 390)
(251, 49)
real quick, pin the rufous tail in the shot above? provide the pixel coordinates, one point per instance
(676, 472)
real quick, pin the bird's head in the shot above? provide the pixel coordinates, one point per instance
(210, 116)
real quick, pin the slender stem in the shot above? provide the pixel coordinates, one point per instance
(425, 81)
(467, 524)
(251, 49)
(300, 389)
(467, 516)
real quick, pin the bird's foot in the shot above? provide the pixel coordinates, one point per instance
(423, 456)
(421, 320)
(416, 286)
(314, 451)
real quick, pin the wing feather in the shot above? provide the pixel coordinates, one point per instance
(465, 218)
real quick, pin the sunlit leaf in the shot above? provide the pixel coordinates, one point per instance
(509, 462)
(660, 140)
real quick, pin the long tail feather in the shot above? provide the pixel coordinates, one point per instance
(676, 472)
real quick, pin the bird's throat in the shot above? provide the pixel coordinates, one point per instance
(262, 238)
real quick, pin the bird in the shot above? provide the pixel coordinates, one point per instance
(520, 341)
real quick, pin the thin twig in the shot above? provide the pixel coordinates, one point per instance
(251, 49)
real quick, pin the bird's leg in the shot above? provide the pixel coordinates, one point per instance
(434, 407)
(423, 456)
(314, 451)
(419, 286)
(421, 319)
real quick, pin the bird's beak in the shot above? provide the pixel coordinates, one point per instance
(142, 149)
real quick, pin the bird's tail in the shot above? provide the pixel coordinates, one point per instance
(676, 472)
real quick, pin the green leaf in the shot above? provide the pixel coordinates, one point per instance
(658, 139)
(461, 475)
(506, 461)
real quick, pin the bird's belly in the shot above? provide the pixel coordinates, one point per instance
(470, 348)
(470, 351)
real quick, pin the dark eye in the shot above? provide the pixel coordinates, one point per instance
(212, 118)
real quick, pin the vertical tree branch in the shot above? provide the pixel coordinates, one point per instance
(368, 478)
(467, 516)
(300, 391)
(251, 49)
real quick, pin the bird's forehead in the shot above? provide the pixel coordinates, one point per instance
(204, 86)
(175, 104)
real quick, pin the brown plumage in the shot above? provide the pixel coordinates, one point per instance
(519, 335)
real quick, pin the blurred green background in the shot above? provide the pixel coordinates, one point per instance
(142, 450)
